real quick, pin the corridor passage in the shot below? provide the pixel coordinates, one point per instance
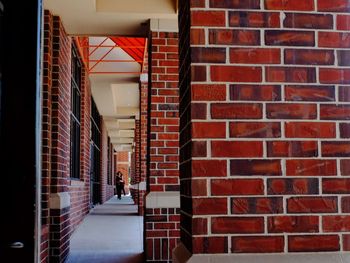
(111, 233)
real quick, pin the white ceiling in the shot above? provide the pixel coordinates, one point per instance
(110, 17)
(126, 95)
(116, 99)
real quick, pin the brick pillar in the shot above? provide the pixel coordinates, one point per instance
(137, 149)
(59, 196)
(104, 163)
(133, 181)
(144, 94)
(135, 165)
(162, 202)
(46, 133)
(264, 107)
(65, 202)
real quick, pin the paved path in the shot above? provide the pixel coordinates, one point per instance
(111, 233)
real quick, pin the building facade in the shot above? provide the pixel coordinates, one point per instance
(241, 137)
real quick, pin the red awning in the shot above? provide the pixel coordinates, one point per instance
(133, 46)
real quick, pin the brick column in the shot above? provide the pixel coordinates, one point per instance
(65, 202)
(264, 107)
(133, 181)
(162, 202)
(104, 164)
(135, 165)
(144, 94)
(59, 197)
(46, 133)
(137, 149)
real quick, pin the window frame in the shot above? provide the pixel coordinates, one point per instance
(75, 115)
(110, 161)
(96, 141)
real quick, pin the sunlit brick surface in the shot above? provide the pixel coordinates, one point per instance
(264, 110)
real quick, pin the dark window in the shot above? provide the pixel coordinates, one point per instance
(110, 160)
(95, 153)
(75, 116)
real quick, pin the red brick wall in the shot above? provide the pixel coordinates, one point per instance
(162, 231)
(137, 151)
(135, 165)
(79, 190)
(57, 224)
(59, 218)
(164, 145)
(264, 98)
(60, 107)
(123, 157)
(144, 95)
(133, 178)
(46, 132)
(162, 224)
(139, 158)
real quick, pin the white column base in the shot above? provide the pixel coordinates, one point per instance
(139, 186)
(163, 200)
(59, 200)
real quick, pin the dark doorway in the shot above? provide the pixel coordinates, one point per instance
(1, 45)
(95, 157)
(20, 29)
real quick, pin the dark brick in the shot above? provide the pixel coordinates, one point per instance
(257, 205)
(311, 21)
(289, 38)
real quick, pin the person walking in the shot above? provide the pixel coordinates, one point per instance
(122, 186)
(118, 184)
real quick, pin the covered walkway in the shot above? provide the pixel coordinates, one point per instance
(111, 233)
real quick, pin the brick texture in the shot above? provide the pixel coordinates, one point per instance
(141, 142)
(59, 218)
(143, 137)
(79, 190)
(162, 233)
(264, 126)
(46, 134)
(163, 100)
(135, 165)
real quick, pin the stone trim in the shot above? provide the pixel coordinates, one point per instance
(163, 199)
(164, 25)
(140, 186)
(59, 200)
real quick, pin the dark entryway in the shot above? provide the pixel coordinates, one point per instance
(20, 26)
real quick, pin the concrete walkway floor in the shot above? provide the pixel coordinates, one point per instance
(111, 233)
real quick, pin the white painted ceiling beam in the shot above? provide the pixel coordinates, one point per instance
(122, 140)
(152, 7)
(110, 17)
